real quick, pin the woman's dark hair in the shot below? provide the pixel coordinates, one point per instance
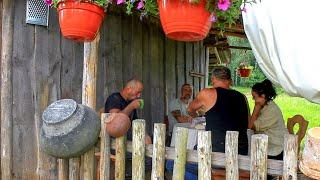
(265, 87)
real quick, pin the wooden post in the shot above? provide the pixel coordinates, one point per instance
(259, 155)
(232, 169)
(204, 155)
(250, 132)
(120, 158)
(138, 149)
(290, 158)
(74, 168)
(104, 149)
(181, 153)
(6, 89)
(159, 150)
(63, 169)
(89, 96)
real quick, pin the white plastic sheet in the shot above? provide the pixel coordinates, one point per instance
(285, 39)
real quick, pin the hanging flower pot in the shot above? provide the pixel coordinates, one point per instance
(80, 20)
(184, 21)
(245, 72)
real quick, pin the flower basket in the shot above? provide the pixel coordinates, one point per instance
(184, 21)
(244, 72)
(80, 21)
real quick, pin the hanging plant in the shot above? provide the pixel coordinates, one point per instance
(79, 20)
(199, 15)
(244, 70)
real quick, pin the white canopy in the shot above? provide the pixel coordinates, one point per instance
(285, 39)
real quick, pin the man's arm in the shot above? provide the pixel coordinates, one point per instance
(127, 110)
(180, 118)
(197, 104)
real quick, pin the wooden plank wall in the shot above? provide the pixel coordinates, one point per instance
(134, 48)
(47, 67)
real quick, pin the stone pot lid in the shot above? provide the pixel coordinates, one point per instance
(59, 111)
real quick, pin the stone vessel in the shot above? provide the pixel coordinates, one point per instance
(68, 129)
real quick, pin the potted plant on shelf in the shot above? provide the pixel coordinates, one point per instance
(191, 20)
(79, 20)
(244, 70)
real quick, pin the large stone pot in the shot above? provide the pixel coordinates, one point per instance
(310, 162)
(69, 129)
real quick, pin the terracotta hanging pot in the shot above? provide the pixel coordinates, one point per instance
(80, 21)
(184, 21)
(244, 72)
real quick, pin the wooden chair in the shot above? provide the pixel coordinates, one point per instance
(303, 125)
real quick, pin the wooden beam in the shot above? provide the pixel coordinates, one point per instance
(104, 150)
(89, 96)
(238, 47)
(6, 89)
(226, 33)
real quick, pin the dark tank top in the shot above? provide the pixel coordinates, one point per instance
(230, 113)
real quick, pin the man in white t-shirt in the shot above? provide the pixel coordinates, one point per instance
(178, 108)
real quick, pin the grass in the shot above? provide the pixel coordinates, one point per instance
(291, 106)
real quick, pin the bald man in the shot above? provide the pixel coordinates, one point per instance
(126, 101)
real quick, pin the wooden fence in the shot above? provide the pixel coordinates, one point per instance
(258, 164)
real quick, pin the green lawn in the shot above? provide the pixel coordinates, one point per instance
(291, 106)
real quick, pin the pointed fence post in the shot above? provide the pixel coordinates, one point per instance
(120, 158)
(180, 153)
(104, 149)
(159, 150)
(290, 157)
(138, 149)
(204, 155)
(232, 169)
(259, 155)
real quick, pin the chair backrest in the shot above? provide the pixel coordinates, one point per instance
(303, 125)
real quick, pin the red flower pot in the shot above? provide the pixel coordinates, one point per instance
(184, 21)
(244, 72)
(80, 21)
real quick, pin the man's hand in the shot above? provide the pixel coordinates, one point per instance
(135, 104)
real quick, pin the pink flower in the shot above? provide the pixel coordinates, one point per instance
(244, 9)
(213, 18)
(120, 2)
(224, 4)
(48, 2)
(140, 5)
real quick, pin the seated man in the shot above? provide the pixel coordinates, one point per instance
(127, 101)
(178, 109)
(225, 110)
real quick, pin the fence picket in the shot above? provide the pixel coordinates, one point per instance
(204, 155)
(232, 168)
(159, 150)
(180, 153)
(290, 157)
(138, 149)
(259, 155)
(104, 150)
